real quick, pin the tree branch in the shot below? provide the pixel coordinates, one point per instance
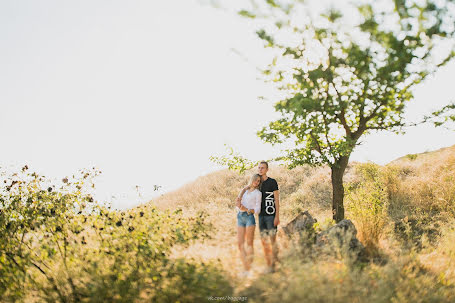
(317, 143)
(342, 117)
(362, 97)
(50, 279)
(319, 149)
(381, 126)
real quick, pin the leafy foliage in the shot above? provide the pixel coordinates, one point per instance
(442, 116)
(65, 247)
(344, 81)
(234, 161)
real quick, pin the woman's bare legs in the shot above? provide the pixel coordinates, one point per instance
(241, 243)
(249, 244)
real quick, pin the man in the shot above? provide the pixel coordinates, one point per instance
(269, 216)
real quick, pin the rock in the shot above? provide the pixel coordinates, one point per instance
(338, 240)
(341, 237)
(302, 222)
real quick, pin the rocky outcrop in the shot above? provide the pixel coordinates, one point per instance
(303, 222)
(342, 237)
(338, 239)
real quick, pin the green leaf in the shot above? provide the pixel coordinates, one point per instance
(246, 14)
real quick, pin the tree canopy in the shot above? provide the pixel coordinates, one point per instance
(363, 76)
(346, 72)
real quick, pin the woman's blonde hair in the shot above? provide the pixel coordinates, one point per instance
(253, 178)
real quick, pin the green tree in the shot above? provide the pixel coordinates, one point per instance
(345, 75)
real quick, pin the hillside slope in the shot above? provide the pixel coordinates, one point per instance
(301, 188)
(420, 204)
(310, 187)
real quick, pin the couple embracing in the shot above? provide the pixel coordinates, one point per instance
(260, 197)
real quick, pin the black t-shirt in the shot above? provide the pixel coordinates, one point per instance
(268, 200)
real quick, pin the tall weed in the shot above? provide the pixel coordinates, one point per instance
(367, 204)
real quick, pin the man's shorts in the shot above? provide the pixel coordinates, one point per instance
(266, 226)
(244, 219)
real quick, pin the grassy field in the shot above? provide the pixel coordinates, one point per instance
(59, 245)
(403, 211)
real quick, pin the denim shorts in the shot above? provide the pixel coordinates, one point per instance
(244, 219)
(266, 226)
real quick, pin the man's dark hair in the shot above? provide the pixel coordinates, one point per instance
(264, 162)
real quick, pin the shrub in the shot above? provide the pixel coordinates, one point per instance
(404, 280)
(367, 205)
(60, 245)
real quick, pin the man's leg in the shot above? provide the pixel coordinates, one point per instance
(274, 249)
(271, 241)
(265, 240)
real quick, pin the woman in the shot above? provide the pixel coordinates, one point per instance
(246, 224)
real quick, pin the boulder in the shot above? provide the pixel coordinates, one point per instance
(302, 222)
(341, 237)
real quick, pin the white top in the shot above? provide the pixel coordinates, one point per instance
(252, 200)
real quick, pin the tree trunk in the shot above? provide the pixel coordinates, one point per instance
(337, 188)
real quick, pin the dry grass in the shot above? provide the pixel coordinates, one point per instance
(419, 193)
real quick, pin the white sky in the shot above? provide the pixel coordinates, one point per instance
(147, 91)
